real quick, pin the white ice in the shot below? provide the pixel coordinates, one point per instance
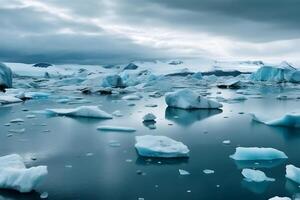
(293, 173)
(187, 99)
(7, 99)
(15, 175)
(183, 172)
(280, 198)
(116, 128)
(160, 146)
(82, 111)
(252, 175)
(288, 120)
(257, 153)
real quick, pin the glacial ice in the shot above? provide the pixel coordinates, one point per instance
(280, 198)
(187, 99)
(293, 173)
(112, 81)
(15, 175)
(288, 120)
(82, 111)
(160, 146)
(149, 117)
(257, 153)
(252, 175)
(116, 128)
(5, 77)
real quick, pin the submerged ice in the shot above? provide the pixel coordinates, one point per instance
(160, 146)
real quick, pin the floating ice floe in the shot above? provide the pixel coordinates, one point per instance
(132, 97)
(160, 146)
(116, 128)
(233, 83)
(187, 99)
(149, 117)
(5, 77)
(280, 198)
(288, 120)
(7, 99)
(252, 175)
(293, 173)
(17, 120)
(183, 172)
(82, 111)
(257, 153)
(208, 171)
(15, 175)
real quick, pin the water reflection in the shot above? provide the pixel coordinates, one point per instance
(242, 164)
(188, 117)
(161, 161)
(255, 187)
(292, 187)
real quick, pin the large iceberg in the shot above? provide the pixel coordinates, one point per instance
(281, 73)
(187, 99)
(82, 111)
(15, 175)
(160, 146)
(288, 120)
(256, 153)
(5, 77)
(293, 173)
(252, 175)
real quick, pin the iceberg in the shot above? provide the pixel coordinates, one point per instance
(116, 128)
(160, 146)
(149, 117)
(293, 173)
(288, 120)
(256, 153)
(5, 77)
(280, 198)
(15, 175)
(82, 111)
(113, 81)
(252, 175)
(187, 99)
(131, 66)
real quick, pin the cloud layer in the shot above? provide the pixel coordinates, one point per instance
(114, 31)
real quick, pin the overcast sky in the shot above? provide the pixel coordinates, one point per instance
(113, 31)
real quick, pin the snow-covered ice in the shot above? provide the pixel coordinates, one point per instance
(288, 120)
(252, 175)
(257, 153)
(15, 175)
(160, 146)
(116, 128)
(187, 99)
(293, 173)
(82, 111)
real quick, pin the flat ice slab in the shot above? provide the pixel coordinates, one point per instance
(293, 173)
(187, 99)
(160, 146)
(288, 120)
(15, 175)
(280, 198)
(116, 128)
(257, 153)
(82, 111)
(252, 175)
(7, 99)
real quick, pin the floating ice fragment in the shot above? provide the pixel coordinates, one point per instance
(280, 198)
(116, 128)
(208, 171)
(288, 120)
(18, 120)
(82, 111)
(252, 175)
(256, 153)
(15, 175)
(149, 117)
(132, 97)
(226, 142)
(293, 173)
(187, 99)
(183, 172)
(160, 146)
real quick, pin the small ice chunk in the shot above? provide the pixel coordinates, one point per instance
(30, 116)
(18, 120)
(116, 128)
(187, 99)
(288, 120)
(183, 172)
(226, 142)
(82, 111)
(280, 198)
(208, 171)
(44, 195)
(293, 173)
(257, 153)
(149, 117)
(151, 105)
(160, 146)
(15, 175)
(22, 130)
(117, 113)
(132, 97)
(252, 175)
